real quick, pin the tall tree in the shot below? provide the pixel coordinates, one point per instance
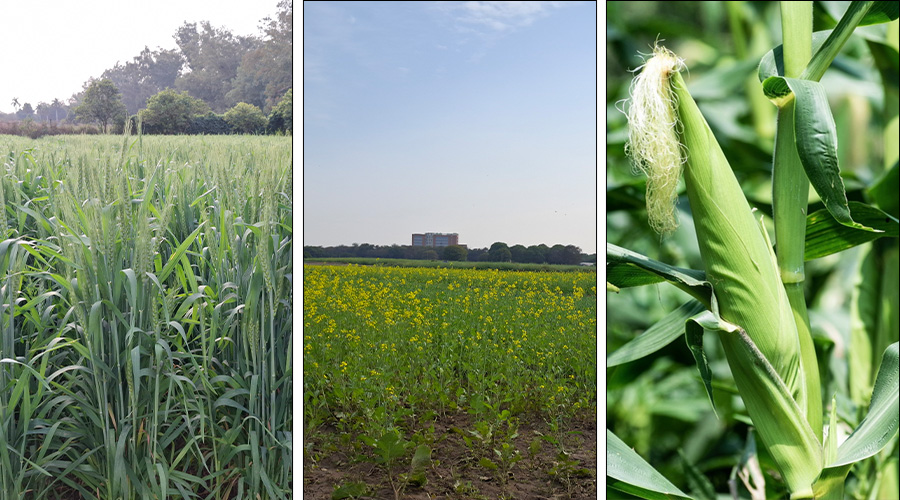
(25, 112)
(147, 74)
(267, 72)
(56, 106)
(212, 57)
(499, 252)
(43, 112)
(102, 103)
(282, 116)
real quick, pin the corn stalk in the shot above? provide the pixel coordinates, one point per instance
(757, 305)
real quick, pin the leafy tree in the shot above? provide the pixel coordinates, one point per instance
(102, 103)
(365, 250)
(209, 124)
(171, 112)
(147, 74)
(246, 118)
(499, 252)
(475, 254)
(518, 253)
(311, 252)
(43, 112)
(212, 56)
(485, 257)
(569, 254)
(266, 72)
(455, 253)
(282, 117)
(537, 254)
(26, 112)
(396, 252)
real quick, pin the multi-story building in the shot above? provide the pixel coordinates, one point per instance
(435, 240)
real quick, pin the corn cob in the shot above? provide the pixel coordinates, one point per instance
(739, 263)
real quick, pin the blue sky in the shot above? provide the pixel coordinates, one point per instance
(477, 118)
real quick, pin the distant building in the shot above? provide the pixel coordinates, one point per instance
(435, 240)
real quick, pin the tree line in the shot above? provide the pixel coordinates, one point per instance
(213, 82)
(497, 252)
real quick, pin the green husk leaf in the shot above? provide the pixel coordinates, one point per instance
(816, 140)
(627, 471)
(826, 236)
(737, 258)
(830, 485)
(656, 337)
(693, 334)
(779, 421)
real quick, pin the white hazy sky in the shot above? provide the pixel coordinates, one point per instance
(49, 48)
(475, 117)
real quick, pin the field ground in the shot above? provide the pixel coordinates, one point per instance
(449, 383)
(565, 469)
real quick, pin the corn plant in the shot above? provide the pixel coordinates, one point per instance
(751, 294)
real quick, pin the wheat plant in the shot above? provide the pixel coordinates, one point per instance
(146, 318)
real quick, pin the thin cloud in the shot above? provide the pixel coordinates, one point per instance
(503, 16)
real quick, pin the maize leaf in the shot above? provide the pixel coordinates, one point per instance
(881, 422)
(876, 430)
(626, 269)
(883, 191)
(693, 333)
(700, 485)
(630, 473)
(661, 334)
(825, 236)
(816, 141)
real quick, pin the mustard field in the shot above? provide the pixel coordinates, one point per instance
(392, 354)
(446, 340)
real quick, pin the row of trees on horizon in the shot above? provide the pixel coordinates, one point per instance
(498, 252)
(210, 73)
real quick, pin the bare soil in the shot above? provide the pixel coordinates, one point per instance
(564, 469)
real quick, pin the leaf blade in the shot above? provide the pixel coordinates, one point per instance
(883, 419)
(661, 334)
(632, 474)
